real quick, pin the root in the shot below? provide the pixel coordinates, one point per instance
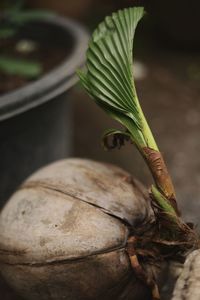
(139, 271)
(157, 241)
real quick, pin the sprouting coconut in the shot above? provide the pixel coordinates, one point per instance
(64, 233)
(82, 230)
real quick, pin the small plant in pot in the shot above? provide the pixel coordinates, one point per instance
(79, 229)
(39, 54)
(24, 56)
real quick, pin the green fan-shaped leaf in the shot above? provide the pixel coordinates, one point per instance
(109, 77)
(109, 81)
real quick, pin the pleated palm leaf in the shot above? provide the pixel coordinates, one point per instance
(109, 81)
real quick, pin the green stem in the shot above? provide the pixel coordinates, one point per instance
(146, 131)
(156, 164)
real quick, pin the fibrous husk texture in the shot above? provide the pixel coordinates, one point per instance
(188, 284)
(63, 234)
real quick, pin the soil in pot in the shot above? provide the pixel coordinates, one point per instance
(28, 45)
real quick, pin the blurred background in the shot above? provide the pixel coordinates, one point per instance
(167, 72)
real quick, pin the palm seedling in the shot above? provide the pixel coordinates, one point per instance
(109, 81)
(76, 229)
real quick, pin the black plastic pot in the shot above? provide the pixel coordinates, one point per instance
(35, 124)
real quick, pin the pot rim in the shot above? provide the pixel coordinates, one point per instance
(56, 81)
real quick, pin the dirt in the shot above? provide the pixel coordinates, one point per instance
(45, 43)
(47, 53)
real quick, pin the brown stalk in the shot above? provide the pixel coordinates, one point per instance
(161, 175)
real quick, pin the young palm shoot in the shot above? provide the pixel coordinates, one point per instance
(109, 81)
(80, 227)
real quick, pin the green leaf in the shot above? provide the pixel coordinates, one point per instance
(109, 77)
(109, 81)
(163, 203)
(7, 32)
(21, 17)
(22, 67)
